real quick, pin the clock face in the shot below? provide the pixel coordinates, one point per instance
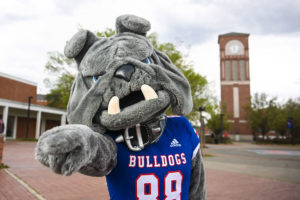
(234, 47)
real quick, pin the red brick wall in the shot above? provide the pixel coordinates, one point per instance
(238, 124)
(244, 99)
(222, 42)
(242, 128)
(227, 99)
(244, 91)
(21, 129)
(17, 91)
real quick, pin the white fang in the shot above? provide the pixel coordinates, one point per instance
(113, 106)
(148, 92)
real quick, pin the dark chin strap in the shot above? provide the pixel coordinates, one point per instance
(142, 135)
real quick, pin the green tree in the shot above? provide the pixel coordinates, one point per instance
(63, 70)
(60, 65)
(292, 109)
(259, 113)
(277, 118)
(214, 122)
(199, 85)
(265, 114)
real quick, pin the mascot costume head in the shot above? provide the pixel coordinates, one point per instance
(117, 126)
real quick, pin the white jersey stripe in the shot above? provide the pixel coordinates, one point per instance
(196, 151)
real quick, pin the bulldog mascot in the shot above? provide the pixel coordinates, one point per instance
(117, 126)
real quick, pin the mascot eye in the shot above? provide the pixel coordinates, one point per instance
(95, 78)
(147, 60)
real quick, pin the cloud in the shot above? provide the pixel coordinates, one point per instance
(274, 65)
(199, 21)
(31, 28)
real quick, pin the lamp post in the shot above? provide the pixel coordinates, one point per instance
(28, 116)
(221, 127)
(202, 128)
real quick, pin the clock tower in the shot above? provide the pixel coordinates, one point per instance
(235, 81)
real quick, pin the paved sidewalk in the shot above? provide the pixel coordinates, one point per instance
(221, 183)
(10, 189)
(20, 157)
(248, 171)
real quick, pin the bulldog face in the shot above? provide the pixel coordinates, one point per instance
(123, 80)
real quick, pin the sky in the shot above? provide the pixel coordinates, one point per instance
(31, 28)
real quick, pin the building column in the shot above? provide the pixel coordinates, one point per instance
(4, 118)
(38, 124)
(43, 129)
(15, 127)
(63, 119)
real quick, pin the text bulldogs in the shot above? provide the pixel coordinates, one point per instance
(154, 161)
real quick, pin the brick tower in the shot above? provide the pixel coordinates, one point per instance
(235, 81)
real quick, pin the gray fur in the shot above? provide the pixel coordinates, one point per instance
(79, 44)
(197, 188)
(132, 23)
(85, 148)
(70, 148)
(107, 55)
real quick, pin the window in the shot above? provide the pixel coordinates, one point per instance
(242, 70)
(227, 70)
(235, 70)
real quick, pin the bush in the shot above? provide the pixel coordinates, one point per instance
(3, 166)
(213, 140)
(274, 141)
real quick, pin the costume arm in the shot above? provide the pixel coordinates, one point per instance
(105, 158)
(71, 148)
(197, 190)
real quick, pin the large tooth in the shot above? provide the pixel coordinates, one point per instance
(148, 92)
(113, 106)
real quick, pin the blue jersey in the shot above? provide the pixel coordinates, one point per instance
(161, 170)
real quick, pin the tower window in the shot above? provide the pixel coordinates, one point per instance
(235, 70)
(227, 70)
(242, 70)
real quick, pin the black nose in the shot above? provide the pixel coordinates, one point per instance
(125, 72)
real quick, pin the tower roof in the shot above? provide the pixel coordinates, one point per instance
(232, 34)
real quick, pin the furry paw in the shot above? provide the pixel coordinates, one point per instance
(65, 149)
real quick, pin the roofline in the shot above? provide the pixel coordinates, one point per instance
(33, 107)
(17, 79)
(232, 34)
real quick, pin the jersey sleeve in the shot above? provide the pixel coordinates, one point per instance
(195, 140)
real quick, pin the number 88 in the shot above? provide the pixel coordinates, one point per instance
(147, 186)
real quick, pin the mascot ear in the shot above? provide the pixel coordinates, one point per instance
(175, 83)
(79, 45)
(133, 24)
